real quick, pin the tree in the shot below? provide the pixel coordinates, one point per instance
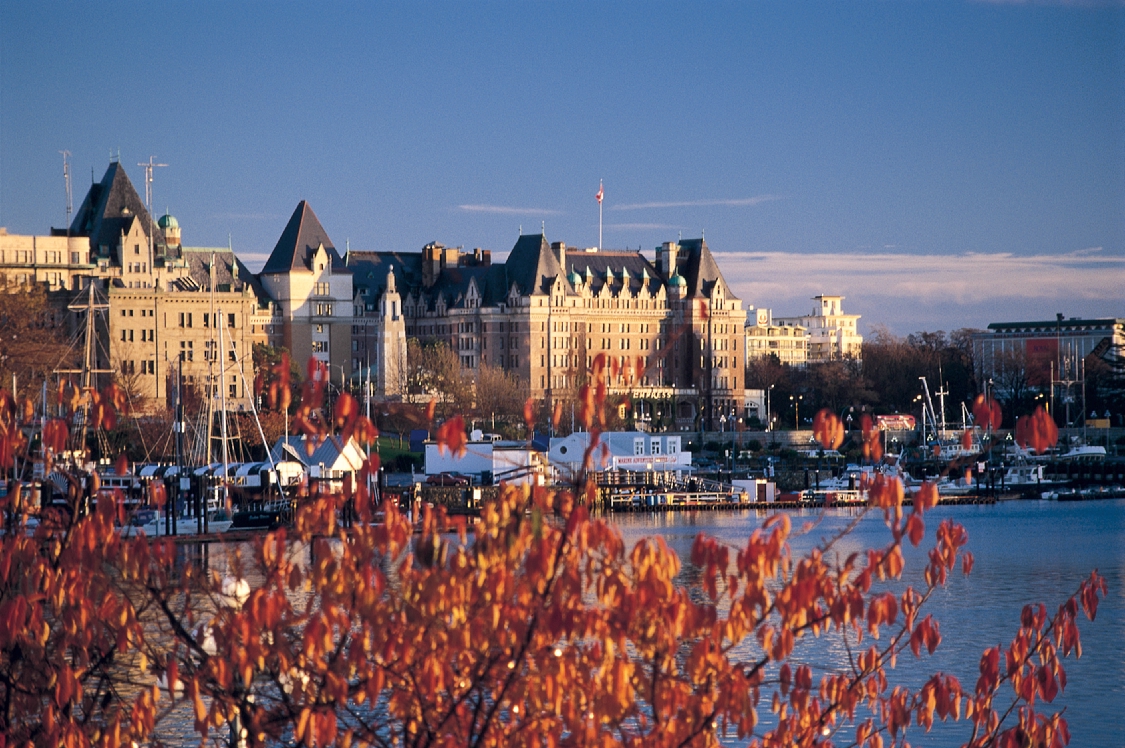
(544, 630)
(499, 394)
(33, 336)
(435, 371)
(1011, 379)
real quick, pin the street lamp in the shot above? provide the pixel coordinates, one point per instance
(769, 420)
(918, 399)
(796, 400)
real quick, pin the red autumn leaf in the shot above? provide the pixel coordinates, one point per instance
(915, 528)
(365, 431)
(1037, 431)
(529, 414)
(828, 429)
(121, 466)
(451, 436)
(345, 415)
(926, 497)
(987, 413)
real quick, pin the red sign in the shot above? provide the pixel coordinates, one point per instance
(897, 422)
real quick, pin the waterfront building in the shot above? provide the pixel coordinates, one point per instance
(163, 302)
(833, 335)
(672, 328)
(310, 285)
(1046, 350)
(765, 338)
(619, 450)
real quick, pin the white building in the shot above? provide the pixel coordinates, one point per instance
(624, 450)
(833, 335)
(505, 462)
(764, 338)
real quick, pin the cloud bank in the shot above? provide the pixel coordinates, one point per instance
(933, 292)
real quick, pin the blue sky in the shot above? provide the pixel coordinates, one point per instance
(941, 164)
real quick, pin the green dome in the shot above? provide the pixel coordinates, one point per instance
(677, 280)
(574, 278)
(168, 222)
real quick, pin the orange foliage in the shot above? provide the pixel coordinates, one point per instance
(534, 626)
(828, 429)
(986, 412)
(1037, 431)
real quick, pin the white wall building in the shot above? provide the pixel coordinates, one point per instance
(833, 335)
(624, 450)
(765, 337)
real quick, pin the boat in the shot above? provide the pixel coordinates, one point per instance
(1028, 478)
(947, 486)
(154, 523)
(1084, 453)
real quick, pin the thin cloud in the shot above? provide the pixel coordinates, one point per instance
(740, 202)
(249, 216)
(642, 226)
(964, 278)
(910, 292)
(508, 210)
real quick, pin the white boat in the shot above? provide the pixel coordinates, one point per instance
(947, 486)
(1029, 477)
(1084, 453)
(218, 520)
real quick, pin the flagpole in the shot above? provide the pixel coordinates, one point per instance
(601, 194)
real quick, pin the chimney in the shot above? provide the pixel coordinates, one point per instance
(666, 258)
(560, 253)
(431, 264)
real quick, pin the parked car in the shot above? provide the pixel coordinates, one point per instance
(448, 479)
(142, 517)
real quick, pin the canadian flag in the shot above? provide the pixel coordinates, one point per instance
(601, 193)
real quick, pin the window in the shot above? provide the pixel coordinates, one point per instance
(136, 249)
(230, 320)
(639, 446)
(322, 289)
(234, 390)
(655, 446)
(320, 346)
(673, 445)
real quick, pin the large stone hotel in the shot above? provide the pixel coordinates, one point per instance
(671, 324)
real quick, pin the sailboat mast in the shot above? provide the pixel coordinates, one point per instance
(223, 410)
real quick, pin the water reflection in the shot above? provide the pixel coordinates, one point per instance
(1026, 551)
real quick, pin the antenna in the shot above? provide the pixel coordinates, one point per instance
(66, 178)
(149, 166)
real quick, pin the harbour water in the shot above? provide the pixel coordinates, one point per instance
(1025, 552)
